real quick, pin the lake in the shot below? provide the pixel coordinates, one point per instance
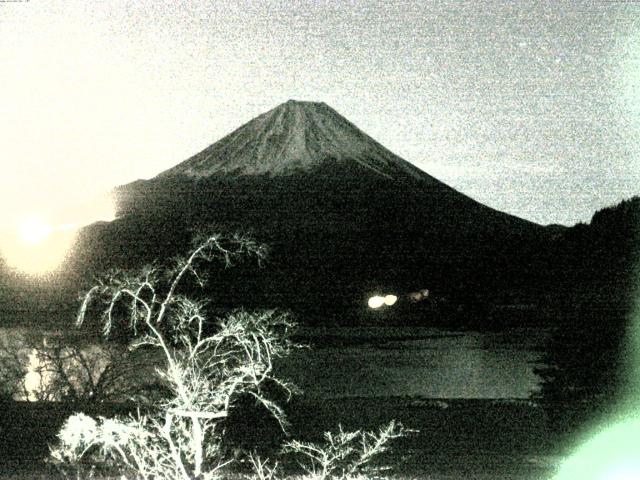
(415, 362)
(418, 362)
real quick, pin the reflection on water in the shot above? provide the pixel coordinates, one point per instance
(421, 362)
(424, 362)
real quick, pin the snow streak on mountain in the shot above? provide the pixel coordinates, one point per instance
(296, 137)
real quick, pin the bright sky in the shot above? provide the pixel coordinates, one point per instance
(530, 107)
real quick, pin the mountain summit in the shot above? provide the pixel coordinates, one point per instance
(296, 137)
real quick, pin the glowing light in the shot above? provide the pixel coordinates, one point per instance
(389, 300)
(41, 257)
(376, 301)
(624, 472)
(37, 247)
(33, 229)
(34, 379)
(613, 454)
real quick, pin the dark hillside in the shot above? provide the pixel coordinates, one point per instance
(596, 274)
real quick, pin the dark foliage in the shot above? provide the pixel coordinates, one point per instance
(585, 372)
(335, 236)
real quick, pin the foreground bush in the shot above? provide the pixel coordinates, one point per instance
(204, 370)
(345, 455)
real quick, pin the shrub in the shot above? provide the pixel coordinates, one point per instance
(345, 454)
(205, 367)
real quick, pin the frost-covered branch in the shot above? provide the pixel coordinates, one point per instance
(206, 364)
(344, 454)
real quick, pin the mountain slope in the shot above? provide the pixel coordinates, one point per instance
(292, 138)
(308, 149)
(343, 215)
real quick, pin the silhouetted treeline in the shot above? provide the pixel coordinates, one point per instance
(595, 279)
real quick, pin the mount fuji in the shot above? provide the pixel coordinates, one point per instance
(344, 218)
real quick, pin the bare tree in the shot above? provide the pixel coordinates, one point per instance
(205, 366)
(57, 367)
(14, 358)
(89, 373)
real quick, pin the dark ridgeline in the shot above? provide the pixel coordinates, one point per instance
(344, 218)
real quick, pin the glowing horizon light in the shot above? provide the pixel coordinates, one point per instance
(37, 258)
(390, 300)
(375, 302)
(34, 230)
(38, 247)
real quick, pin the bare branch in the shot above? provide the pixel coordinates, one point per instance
(202, 372)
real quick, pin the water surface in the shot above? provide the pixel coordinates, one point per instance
(422, 362)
